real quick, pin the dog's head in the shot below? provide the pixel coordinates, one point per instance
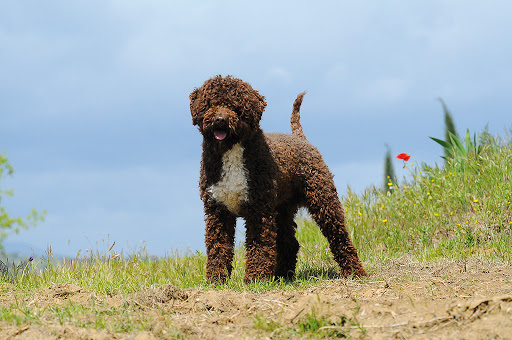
(226, 110)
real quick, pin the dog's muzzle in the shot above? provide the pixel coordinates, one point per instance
(220, 125)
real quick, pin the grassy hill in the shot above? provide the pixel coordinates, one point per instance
(457, 210)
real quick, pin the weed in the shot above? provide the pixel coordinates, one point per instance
(12, 273)
(265, 324)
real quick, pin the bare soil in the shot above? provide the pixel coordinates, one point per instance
(401, 300)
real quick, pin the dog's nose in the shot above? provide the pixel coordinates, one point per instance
(220, 119)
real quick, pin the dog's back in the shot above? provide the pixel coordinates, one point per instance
(295, 158)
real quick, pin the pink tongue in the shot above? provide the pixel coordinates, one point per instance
(219, 135)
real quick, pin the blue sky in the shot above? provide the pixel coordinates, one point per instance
(94, 99)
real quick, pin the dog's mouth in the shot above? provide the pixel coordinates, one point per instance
(219, 134)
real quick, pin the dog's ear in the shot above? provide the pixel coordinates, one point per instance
(194, 107)
(258, 106)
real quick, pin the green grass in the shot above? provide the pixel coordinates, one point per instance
(313, 325)
(127, 274)
(90, 315)
(459, 210)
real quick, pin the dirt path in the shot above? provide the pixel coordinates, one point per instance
(403, 300)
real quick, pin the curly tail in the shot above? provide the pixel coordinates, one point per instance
(295, 118)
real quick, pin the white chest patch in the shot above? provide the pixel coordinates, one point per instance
(231, 189)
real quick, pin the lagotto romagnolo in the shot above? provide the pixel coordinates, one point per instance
(263, 178)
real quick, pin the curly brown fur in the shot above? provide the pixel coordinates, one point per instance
(295, 117)
(263, 178)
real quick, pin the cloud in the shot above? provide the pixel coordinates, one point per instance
(384, 90)
(279, 73)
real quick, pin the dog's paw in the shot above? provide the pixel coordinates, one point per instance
(353, 272)
(216, 278)
(253, 277)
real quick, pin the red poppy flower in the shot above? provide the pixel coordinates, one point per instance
(403, 156)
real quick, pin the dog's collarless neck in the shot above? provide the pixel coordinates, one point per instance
(232, 188)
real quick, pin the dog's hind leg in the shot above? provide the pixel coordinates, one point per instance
(220, 241)
(287, 244)
(325, 208)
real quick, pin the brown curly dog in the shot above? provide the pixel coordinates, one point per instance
(264, 178)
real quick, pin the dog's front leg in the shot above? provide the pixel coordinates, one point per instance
(261, 247)
(220, 241)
